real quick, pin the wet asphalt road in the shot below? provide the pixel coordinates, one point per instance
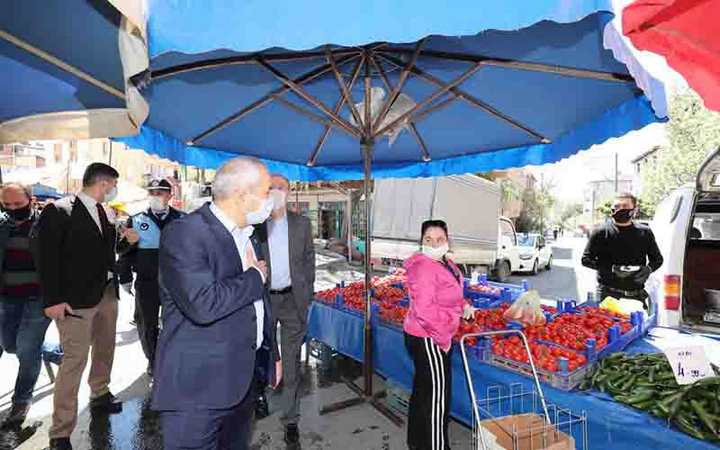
(139, 428)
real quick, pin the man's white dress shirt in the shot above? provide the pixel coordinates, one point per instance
(242, 240)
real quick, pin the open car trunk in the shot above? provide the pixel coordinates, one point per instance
(701, 285)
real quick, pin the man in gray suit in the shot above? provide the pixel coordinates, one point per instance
(290, 257)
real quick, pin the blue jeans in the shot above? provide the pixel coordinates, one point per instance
(22, 331)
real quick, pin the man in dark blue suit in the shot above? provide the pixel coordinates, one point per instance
(215, 315)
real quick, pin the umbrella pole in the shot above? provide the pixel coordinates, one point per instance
(365, 395)
(367, 150)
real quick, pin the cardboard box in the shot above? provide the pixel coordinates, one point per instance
(531, 431)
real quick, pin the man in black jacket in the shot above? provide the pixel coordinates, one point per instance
(142, 258)
(77, 259)
(623, 253)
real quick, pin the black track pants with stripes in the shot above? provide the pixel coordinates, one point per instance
(430, 399)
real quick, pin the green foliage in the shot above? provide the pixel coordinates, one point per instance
(537, 204)
(509, 190)
(605, 209)
(568, 212)
(693, 131)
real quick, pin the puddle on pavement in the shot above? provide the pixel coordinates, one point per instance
(139, 428)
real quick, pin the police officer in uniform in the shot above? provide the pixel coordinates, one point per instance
(142, 258)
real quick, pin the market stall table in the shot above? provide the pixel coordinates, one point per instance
(610, 424)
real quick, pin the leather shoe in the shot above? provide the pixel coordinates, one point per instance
(106, 403)
(60, 444)
(292, 434)
(17, 415)
(262, 410)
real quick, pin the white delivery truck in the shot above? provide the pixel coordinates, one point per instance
(470, 205)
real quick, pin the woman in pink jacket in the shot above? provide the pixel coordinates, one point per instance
(436, 306)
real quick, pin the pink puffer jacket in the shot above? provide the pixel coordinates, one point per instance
(436, 300)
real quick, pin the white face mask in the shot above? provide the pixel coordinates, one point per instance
(279, 198)
(261, 214)
(157, 204)
(111, 195)
(435, 253)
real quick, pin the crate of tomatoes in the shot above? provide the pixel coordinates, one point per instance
(560, 368)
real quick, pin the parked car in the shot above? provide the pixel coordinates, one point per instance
(686, 289)
(530, 254)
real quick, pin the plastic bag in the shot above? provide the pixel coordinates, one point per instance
(402, 105)
(621, 306)
(526, 310)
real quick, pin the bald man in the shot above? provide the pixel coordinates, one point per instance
(22, 321)
(215, 315)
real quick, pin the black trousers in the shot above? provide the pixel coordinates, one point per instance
(430, 400)
(147, 313)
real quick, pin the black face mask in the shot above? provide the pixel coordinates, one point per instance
(622, 215)
(19, 214)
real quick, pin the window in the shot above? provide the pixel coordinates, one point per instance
(706, 226)
(525, 240)
(506, 230)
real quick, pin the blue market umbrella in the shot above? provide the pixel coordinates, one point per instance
(61, 70)
(332, 90)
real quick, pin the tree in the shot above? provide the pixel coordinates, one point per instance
(605, 209)
(537, 204)
(693, 131)
(509, 190)
(568, 212)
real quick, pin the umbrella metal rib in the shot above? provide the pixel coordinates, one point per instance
(413, 128)
(304, 78)
(385, 52)
(434, 96)
(395, 92)
(520, 65)
(298, 89)
(472, 100)
(309, 114)
(346, 93)
(59, 63)
(244, 59)
(326, 132)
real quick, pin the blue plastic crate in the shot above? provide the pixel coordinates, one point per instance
(616, 341)
(563, 380)
(508, 292)
(397, 398)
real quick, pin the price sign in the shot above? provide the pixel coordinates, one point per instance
(689, 364)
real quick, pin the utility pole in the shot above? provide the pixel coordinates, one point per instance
(616, 173)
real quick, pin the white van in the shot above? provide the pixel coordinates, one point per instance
(686, 289)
